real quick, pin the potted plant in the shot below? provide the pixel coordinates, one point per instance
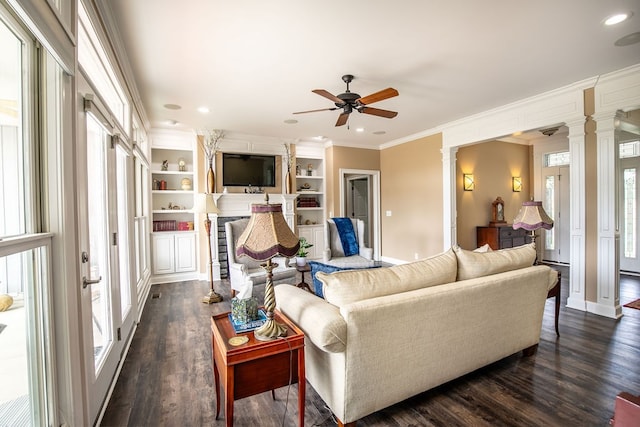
(301, 255)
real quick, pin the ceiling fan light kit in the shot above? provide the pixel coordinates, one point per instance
(350, 101)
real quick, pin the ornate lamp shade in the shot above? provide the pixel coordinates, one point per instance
(532, 217)
(267, 234)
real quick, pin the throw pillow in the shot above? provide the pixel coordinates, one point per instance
(474, 264)
(325, 268)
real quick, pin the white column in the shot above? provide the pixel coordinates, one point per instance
(608, 300)
(449, 214)
(577, 223)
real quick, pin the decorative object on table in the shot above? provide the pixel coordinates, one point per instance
(309, 169)
(182, 165)
(516, 182)
(468, 183)
(298, 170)
(244, 310)
(210, 146)
(301, 255)
(238, 340)
(249, 325)
(165, 165)
(532, 217)
(268, 235)
(497, 212)
(185, 184)
(163, 184)
(288, 162)
(204, 204)
(156, 184)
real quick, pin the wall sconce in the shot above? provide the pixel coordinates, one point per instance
(517, 184)
(467, 182)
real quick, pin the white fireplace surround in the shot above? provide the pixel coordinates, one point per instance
(238, 205)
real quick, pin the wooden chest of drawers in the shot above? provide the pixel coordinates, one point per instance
(501, 236)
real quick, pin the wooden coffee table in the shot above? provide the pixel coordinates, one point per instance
(256, 366)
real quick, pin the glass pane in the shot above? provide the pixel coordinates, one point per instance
(629, 204)
(12, 221)
(629, 149)
(556, 159)
(23, 326)
(98, 237)
(123, 231)
(549, 205)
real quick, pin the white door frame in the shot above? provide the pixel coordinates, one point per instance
(375, 201)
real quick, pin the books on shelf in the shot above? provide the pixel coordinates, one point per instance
(308, 202)
(164, 225)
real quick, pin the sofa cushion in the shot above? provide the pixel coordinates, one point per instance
(326, 268)
(477, 264)
(345, 287)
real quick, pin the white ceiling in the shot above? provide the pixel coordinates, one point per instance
(254, 63)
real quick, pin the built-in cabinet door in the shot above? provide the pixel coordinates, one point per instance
(185, 257)
(318, 240)
(163, 253)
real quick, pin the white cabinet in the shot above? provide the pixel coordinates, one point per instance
(315, 235)
(173, 252)
(310, 189)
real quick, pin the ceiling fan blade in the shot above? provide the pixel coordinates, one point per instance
(328, 95)
(342, 119)
(313, 111)
(378, 96)
(378, 112)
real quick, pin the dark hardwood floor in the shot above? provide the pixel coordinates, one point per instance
(167, 379)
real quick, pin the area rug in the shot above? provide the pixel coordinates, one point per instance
(634, 304)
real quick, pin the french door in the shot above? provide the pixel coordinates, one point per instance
(629, 219)
(104, 176)
(556, 186)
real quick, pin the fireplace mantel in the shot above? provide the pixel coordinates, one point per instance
(239, 205)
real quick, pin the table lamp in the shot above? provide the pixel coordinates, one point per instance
(268, 235)
(204, 204)
(532, 217)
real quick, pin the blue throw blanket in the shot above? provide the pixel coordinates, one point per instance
(347, 236)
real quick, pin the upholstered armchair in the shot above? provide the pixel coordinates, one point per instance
(334, 253)
(244, 272)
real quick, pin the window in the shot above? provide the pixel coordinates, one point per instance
(556, 159)
(629, 149)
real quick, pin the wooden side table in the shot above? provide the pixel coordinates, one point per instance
(303, 269)
(256, 366)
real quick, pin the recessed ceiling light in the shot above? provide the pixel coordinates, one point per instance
(617, 18)
(379, 132)
(171, 122)
(359, 129)
(172, 106)
(291, 121)
(319, 137)
(203, 110)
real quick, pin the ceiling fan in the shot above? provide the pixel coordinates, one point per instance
(349, 101)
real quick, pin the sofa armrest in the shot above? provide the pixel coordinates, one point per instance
(326, 255)
(366, 252)
(321, 322)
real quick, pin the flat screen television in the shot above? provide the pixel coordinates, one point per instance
(243, 170)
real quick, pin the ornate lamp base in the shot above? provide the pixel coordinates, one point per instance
(212, 297)
(271, 329)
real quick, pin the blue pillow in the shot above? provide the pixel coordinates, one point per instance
(325, 268)
(347, 236)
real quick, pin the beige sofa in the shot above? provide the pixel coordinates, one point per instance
(383, 335)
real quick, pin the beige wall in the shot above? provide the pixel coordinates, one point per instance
(492, 164)
(411, 187)
(591, 199)
(337, 158)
